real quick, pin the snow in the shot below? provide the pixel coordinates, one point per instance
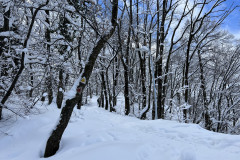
(6, 34)
(185, 106)
(145, 49)
(96, 134)
(10, 34)
(72, 92)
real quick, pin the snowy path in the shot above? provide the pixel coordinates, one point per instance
(95, 134)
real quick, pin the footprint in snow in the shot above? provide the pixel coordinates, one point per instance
(187, 155)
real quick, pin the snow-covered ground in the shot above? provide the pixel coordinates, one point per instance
(96, 134)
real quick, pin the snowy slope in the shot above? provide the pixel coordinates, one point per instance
(96, 134)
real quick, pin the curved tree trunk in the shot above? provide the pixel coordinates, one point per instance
(54, 140)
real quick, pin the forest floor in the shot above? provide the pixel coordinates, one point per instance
(96, 134)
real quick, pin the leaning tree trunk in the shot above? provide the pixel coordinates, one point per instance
(53, 141)
(55, 138)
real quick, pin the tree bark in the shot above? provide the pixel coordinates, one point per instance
(126, 65)
(208, 122)
(60, 89)
(104, 90)
(144, 114)
(53, 141)
(49, 78)
(115, 80)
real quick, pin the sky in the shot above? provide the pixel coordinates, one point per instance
(232, 23)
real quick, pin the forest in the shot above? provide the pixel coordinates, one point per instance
(149, 59)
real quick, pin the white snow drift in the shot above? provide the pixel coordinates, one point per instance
(96, 134)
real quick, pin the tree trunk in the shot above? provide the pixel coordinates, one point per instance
(110, 97)
(104, 90)
(126, 65)
(55, 138)
(60, 89)
(208, 122)
(144, 114)
(49, 78)
(79, 104)
(115, 81)
(142, 58)
(53, 141)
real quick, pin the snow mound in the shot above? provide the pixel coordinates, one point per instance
(96, 134)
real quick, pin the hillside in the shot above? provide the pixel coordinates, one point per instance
(96, 134)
